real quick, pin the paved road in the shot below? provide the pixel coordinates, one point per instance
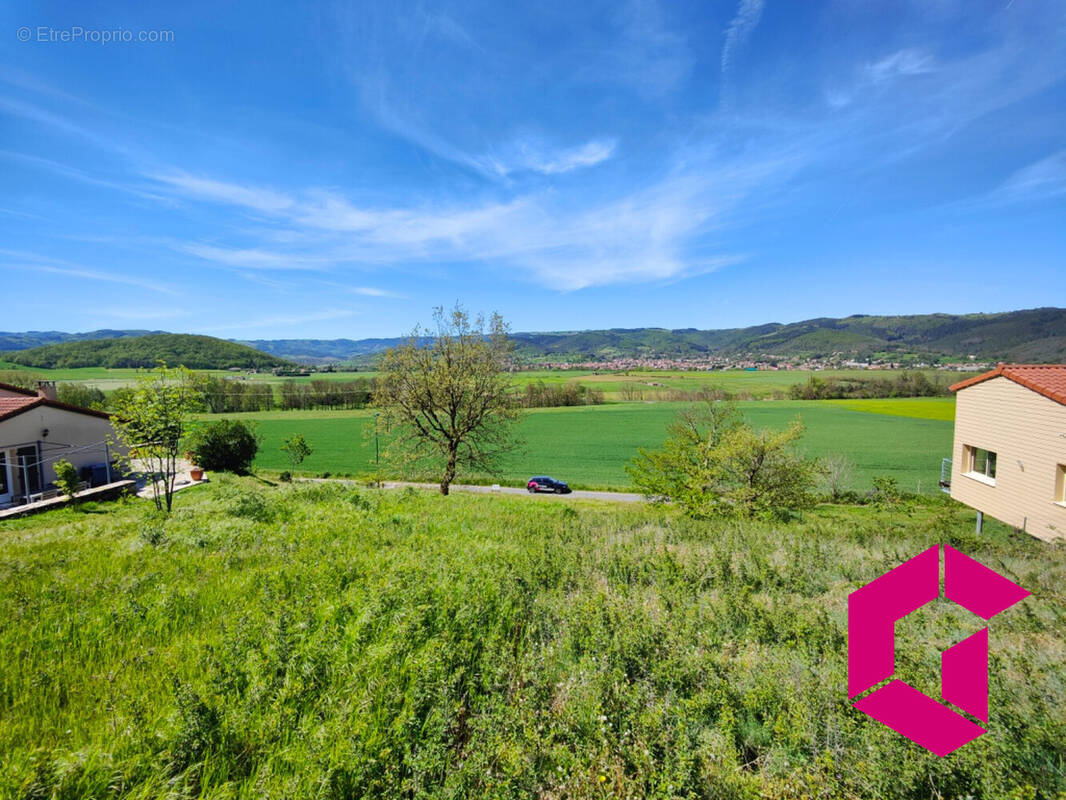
(577, 494)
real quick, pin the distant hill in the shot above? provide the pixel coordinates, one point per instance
(1035, 335)
(28, 339)
(195, 352)
(323, 351)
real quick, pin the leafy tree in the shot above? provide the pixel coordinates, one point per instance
(227, 445)
(297, 448)
(449, 400)
(714, 464)
(67, 478)
(151, 421)
(78, 394)
(20, 378)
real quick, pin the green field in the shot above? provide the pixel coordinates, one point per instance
(312, 642)
(590, 445)
(758, 384)
(941, 408)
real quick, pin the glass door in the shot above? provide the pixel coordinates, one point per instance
(29, 470)
(5, 478)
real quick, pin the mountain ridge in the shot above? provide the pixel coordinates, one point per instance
(1025, 335)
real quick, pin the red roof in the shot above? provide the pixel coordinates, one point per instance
(9, 406)
(9, 387)
(1046, 379)
(13, 406)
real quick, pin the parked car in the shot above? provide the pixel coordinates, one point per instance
(542, 483)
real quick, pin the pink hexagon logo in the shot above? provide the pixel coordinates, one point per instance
(872, 614)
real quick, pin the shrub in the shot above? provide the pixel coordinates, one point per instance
(67, 477)
(78, 394)
(713, 464)
(250, 505)
(152, 530)
(225, 446)
(285, 477)
(886, 489)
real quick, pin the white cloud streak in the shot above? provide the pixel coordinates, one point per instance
(193, 186)
(82, 273)
(640, 236)
(284, 319)
(902, 63)
(743, 24)
(1042, 180)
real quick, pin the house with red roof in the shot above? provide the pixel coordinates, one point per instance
(36, 431)
(1009, 455)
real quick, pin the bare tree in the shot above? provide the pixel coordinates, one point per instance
(446, 395)
(837, 475)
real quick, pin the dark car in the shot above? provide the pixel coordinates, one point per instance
(542, 483)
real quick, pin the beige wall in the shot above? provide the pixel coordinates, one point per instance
(64, 428)
(1027, 431)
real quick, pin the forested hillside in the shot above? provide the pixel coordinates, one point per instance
(195, 352)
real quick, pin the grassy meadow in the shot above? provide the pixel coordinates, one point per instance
(311, 641)
(650, 384)
(589, 446)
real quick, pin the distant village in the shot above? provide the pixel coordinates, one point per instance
(752, 364)
(705, 364)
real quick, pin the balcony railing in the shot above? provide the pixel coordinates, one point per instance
(945, 475)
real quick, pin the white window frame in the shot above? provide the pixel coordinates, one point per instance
(970, 461)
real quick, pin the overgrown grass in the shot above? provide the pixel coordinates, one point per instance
(313, 641)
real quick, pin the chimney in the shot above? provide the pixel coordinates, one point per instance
(47, 390)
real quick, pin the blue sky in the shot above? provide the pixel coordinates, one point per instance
(284, 169)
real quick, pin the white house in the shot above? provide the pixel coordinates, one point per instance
(36, 431)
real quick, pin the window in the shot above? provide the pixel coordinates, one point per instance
(980, 464)
(1060, 484)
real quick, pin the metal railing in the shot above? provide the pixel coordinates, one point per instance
(945, 475)
(27, 469)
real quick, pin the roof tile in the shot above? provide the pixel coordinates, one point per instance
(1046, 379)
(12, 405)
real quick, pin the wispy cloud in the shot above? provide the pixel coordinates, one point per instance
(31, 262)
(370, 291)
(253, 197)
(743, 24)
(1042, 180)
(124, 313)
(282, 320)
(642, 235)
(67, 171)
(902, 63)
(653, 58)
(530, 155)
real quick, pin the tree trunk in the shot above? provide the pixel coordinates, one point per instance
(449, 472)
